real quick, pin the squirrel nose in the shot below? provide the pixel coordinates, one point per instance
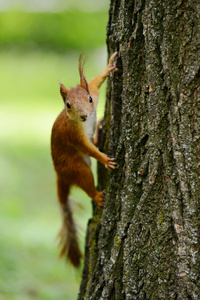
(84, 117)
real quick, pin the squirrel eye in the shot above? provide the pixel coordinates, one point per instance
(68, 105)
(90, 99)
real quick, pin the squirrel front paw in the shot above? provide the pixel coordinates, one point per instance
(111, 66)
(109, 162)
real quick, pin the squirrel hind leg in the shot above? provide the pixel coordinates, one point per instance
(100, 198)
(85, 181)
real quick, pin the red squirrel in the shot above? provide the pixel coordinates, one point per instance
(71, 146)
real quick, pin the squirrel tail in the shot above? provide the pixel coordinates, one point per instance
(68, 235)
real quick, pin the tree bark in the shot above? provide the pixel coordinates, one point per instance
(146, 242)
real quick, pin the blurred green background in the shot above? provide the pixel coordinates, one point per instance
(40, 42)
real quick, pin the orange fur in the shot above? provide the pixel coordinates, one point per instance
(70, 144)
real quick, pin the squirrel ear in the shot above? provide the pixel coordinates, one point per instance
(63, 91)
(83, 81)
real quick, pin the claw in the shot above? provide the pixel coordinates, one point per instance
(113, 165)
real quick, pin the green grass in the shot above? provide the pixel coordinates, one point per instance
(29, 215)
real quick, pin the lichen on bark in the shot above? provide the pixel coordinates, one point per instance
(146, 242)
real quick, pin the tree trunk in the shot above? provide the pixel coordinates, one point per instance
(146, 242)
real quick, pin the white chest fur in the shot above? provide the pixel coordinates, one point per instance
(91, 125)
(90, 129)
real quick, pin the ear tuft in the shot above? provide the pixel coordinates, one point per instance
(83, 81)
(63, 91)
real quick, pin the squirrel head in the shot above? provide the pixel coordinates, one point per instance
(78, 102)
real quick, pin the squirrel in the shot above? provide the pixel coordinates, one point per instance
(71, 146)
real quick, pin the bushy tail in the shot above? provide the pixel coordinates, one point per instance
(68, 236)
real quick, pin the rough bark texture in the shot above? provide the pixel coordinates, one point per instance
(146, 242)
